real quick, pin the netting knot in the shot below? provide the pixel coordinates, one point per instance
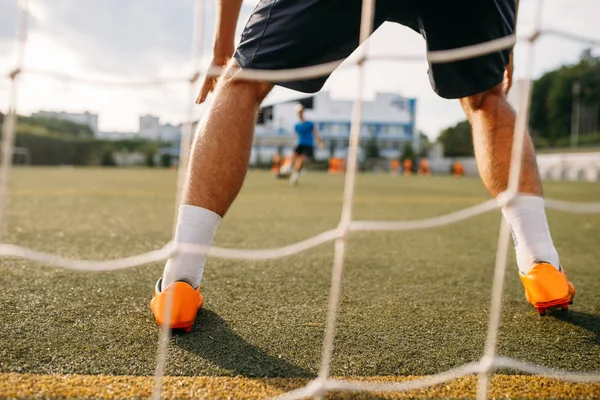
(190, 248)
(343, 230)
(171, 248)
(534, 36)
(486, 364)
(14, 73)
(194, 78)
(361, 60)
(505, 198)
(317, 387)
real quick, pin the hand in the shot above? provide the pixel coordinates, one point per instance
(508, 75)
(321, 144)
(210, 81)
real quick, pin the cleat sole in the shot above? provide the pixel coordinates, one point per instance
(541, 312)
(564, 307)
(562, 304)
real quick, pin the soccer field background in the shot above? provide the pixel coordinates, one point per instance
(413, 303)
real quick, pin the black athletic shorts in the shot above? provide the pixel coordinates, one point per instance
(308, 151)
(283, 34)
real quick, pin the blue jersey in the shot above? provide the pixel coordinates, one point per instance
(305, 133)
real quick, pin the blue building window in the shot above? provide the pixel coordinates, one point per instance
(393, 130)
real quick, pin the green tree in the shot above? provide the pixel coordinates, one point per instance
(59, 126)
(108, 159)
(553, 98)
(371, 148)
(150, 150)
(408, 153)
(166, 160)
(457, 140)
(132, 145)
(425, 144)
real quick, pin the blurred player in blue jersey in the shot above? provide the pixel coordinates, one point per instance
(306, 135)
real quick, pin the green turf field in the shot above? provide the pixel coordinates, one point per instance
(413, 303)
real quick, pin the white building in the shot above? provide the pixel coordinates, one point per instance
(152, 129)
(85, 118)
(389, 118)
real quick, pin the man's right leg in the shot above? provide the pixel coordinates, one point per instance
(218, 165)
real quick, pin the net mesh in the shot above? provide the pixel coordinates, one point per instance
(323, 383)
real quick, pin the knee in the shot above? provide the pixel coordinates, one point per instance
(231, 80)
(483, 101)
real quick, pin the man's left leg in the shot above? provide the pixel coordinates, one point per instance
(477, 82)
(218, 165)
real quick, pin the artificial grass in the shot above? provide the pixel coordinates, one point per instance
(413, 303)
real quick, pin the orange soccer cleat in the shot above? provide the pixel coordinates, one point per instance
(186, 301)
(547, 288)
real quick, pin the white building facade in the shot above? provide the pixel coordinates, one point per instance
(389, 118)
(152, 129)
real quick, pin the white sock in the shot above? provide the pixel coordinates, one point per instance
(295, 176)
(195, 225)
(526, 217)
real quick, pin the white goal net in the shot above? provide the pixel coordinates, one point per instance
(323, 384)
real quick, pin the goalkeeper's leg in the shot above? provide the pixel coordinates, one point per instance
(493, 122)
(218, 164)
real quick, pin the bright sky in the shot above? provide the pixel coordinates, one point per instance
(143, 39)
